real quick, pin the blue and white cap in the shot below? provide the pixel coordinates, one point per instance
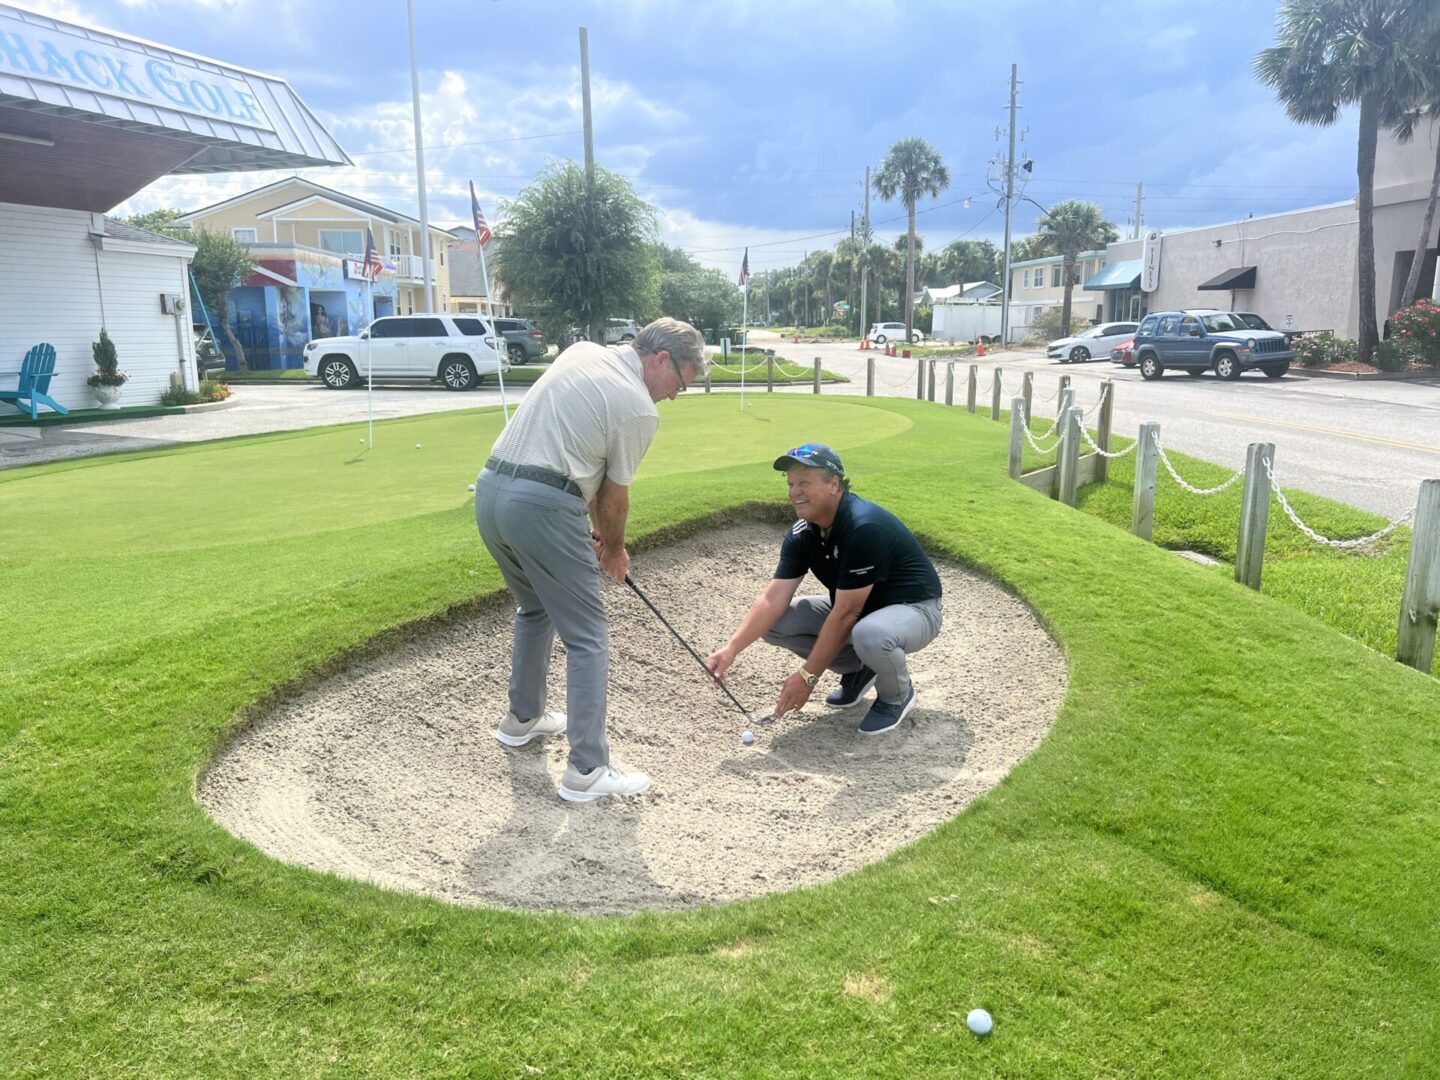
(812, 454)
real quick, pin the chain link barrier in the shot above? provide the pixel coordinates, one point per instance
(1105, 453)
(1359, 541)
(1165, 459)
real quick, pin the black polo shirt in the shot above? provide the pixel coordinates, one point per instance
(866, 545)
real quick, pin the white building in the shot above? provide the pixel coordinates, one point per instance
(1037, 284)
(88, 118)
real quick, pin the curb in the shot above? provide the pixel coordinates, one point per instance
(206, 406)
(1365, 376)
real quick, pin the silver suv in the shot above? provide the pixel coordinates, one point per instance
(456, 350)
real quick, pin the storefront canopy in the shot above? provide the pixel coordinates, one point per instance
(1120, 275)
(88, 118)
(1242, 277)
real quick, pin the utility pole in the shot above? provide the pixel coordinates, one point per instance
(1009, 202)
(805, 283)
(864, 268)
(850, 278)
(429, 302)
(1139, 203)
(585, 100)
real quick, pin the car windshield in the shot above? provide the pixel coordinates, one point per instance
(1223, 323)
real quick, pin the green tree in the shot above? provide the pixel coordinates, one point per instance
(969, 260)
(912, 168)
(702, 297)
(221, 263)
(160, 221)
(581, 254)
(1332, 53)
(1067, 229)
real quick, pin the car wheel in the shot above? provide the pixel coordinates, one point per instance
(1079, 354)
(1227, 366)
(517, 354)
(458, 373)
(917, 338)
(1274, 371)
(1150, 367)
(337, 373)
(879, 339)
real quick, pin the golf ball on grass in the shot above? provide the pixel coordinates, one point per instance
(417, 446)
(747, 737)
(470, 487)
(979, 1022)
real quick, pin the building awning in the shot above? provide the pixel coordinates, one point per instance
(1120, 275)
(88, 117)
(1241, 277)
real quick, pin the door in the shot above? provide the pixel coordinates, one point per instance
(429, 340)
(1191, 348)
(1167, 338)
(388, 346)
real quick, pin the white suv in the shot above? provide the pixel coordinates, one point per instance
(881, 332)
(457, 350)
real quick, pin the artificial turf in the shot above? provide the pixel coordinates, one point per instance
(1221, 862)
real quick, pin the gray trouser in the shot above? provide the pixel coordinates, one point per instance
(540, 537)
(879, 641)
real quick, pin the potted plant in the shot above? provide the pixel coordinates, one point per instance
(107, 378)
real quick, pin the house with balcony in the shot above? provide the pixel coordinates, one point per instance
(308, 242)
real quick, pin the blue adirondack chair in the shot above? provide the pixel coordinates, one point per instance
(35, 373)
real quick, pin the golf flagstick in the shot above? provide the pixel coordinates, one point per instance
(482, 236)
(744, 323)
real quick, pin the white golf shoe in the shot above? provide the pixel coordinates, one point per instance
(576, 786)
(516, 732)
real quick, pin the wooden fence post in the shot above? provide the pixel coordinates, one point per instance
(1065, 401)
(1420, 602)
(769, 371)
(870, 376)
(1142, 506)
(1027, 391)
(971, 388)
(707, 378)
(930, 393)
(1067, 465)
(817, 374)
(995, 396)
(1017, 436)
(1102, 430)
(950, 383)
(919, 378)
(1064, 385)
(1254, 515)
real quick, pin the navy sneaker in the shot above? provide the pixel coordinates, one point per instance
(884, 715)
(852, 688)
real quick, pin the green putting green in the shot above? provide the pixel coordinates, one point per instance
(1220, 863)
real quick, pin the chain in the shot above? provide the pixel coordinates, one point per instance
(1359, 541)
(1181, 481)
(1104, 453)
(1104, 393)
(1011, 393)
(1038, 448)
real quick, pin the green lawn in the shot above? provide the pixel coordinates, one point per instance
(1221, 863)
(725, 370)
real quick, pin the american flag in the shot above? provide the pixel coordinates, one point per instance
(745, 268)
(372, 266)
(482, 230)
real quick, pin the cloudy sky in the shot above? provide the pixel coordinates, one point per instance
(750, 123)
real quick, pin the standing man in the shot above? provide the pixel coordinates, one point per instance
(883, 603)
(574, 445)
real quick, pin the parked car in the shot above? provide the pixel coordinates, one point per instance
(881, 332)
(456, 350)
(1124, 353)
(1093, 343)
(620, 330)
(1203, 339)
(524, 341)
(1250, 319)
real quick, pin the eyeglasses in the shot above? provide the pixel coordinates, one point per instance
(821, 460)
(679, 374)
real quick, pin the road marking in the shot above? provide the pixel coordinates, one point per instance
(1423, 447)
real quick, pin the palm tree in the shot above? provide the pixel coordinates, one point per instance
(1332, 53)
(1067, 229)
(912, 168)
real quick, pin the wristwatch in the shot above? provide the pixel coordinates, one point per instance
(810, 680)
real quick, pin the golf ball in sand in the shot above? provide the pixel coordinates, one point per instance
(979, 1022)
(747, 737)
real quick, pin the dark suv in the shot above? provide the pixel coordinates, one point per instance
(524, 340)
(1201, 340)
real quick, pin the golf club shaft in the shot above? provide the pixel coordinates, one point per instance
(698, 658)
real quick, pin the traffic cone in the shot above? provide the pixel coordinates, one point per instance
(980, 351)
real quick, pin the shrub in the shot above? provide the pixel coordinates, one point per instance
(178, 395)
(1391, 357)
(1321, 350)
(1416, 331)
(107, 372)
(214, 390)
(1045, 327)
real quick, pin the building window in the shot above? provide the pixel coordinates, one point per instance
(392, 241)
(343, 241)
(245, 236)
(1055, 273)
(442, 254)
(1025, 277)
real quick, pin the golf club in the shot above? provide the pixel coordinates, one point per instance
(698, 658)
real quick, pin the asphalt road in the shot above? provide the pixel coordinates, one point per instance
(1369, 444)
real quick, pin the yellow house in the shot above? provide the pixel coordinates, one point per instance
(306, 217)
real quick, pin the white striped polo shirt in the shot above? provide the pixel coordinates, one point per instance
(588, 417)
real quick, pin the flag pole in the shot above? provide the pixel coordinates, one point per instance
(369, 362)
(744, 352)
(490, 303)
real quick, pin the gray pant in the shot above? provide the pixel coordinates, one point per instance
(879, 641)
(540, 537)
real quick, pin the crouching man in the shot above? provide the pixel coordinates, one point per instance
(883, 602)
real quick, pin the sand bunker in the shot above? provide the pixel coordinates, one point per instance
(388, 771)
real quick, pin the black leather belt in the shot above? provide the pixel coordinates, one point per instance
(536, 473)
